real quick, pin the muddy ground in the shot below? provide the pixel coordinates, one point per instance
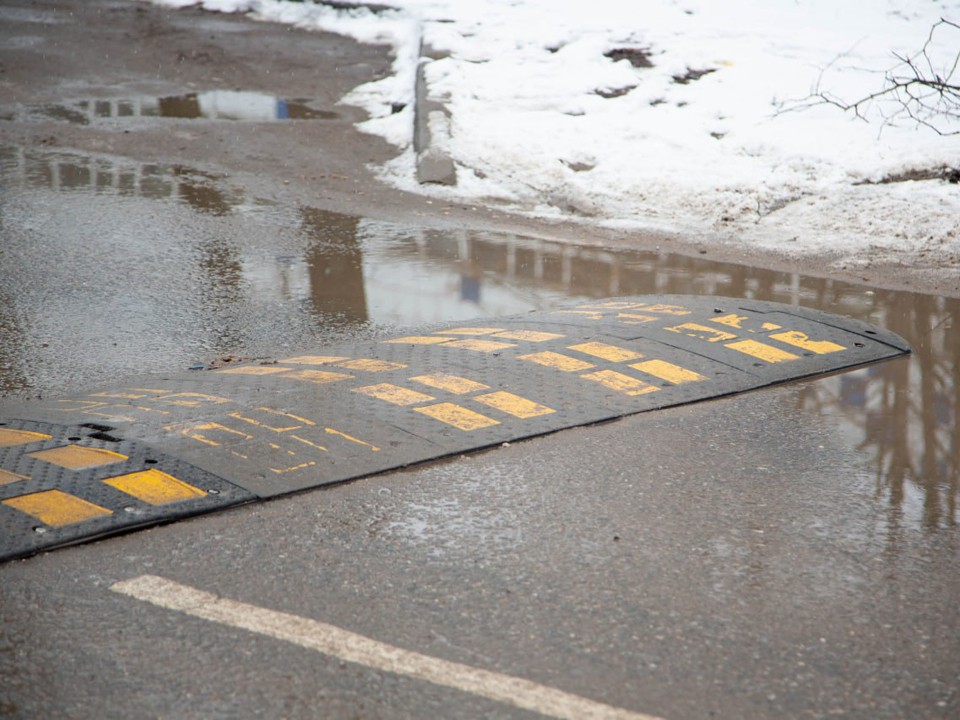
(52, 51)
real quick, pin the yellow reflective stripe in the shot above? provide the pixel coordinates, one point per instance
(56, 508)
(634, 319)
(620, 382)
(393, 394)
(419, 340)
(74, 457)
(732, 320)
(701, 332)
(528, 335)
(668, 371)
(7, 477)
(564, 363)
(253, 370)
(761, 351)
(479, 345)
(451, 383)
(459, 417)
(514, 404)
(665, 309)
(606, 352)
(10, 437)
(371, 365)
(154, 487)
(317, 376)
(469, 331)
(314, 359)
(800, 340)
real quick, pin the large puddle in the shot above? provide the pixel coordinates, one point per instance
(110, 268)
(241, 105)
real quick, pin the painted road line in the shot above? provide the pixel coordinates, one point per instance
(10, 437)
(394, 394)
(514, 404)
(358, 649)
(621, 383)
(558, 361)
(668, 371)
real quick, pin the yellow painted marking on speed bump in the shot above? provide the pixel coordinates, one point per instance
(420, 340)
(479, 345)
(633, 319)
(119, 395)
(192, 399)
(56, 508)
(394, 394)
(514, 404)
(621, 383)
(371, 365)
(199, 431)
(770, 326)
(606, 352)
(7, 477)
(557, 361)
(10, 437)
(469, 331)
(154, 487)
(614, 305)
(459, 417)
(286, 414)
(74, 457)
(665, 309)
(331, 431)
(701, 332)
(800, 340)
(301, 466)
(527, 335)
(320, 377)
(254, 370)
(298, 421)
(731, 320)
(311, 444)
(451, 383)
(761, 351)
(668, 371)
(314, 360)
(591, 314)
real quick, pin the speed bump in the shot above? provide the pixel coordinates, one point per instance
(117, 458)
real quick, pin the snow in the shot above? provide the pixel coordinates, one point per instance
(542, 122)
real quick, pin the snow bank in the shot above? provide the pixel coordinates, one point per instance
(683, 115)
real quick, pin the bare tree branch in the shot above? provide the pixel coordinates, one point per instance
(915, 88)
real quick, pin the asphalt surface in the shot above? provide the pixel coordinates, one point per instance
(789, 552)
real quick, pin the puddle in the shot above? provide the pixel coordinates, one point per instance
(111, 268)
(213, 105)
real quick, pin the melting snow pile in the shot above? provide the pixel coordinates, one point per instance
(682, 115)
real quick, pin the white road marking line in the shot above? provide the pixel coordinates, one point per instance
(354, 648)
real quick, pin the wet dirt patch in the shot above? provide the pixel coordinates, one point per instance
(638, 57)
(692, 75)
(944, 172)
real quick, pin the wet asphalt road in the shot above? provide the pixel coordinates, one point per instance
(751, 557)
(728, 559)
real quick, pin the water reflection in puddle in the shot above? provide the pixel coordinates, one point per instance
(213, 105)
(204, 269)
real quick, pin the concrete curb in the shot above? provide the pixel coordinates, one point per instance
(431, 121)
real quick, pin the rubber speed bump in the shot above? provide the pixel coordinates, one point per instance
(116, 458)
(64, 484)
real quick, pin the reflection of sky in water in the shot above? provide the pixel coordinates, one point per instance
(231, 274)
(240, 105)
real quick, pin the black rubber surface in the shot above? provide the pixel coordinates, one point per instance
(353, 410)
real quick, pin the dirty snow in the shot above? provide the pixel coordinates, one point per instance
(716, 137)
